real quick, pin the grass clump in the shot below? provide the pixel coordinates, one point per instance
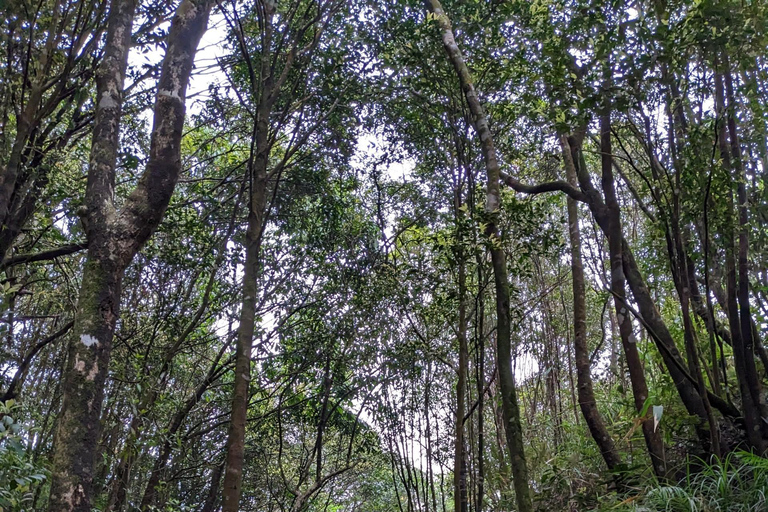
(737, 483)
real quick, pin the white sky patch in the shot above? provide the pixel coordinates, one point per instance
(371, 145)
(207, 70)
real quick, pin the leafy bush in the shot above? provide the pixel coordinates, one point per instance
(18, 473)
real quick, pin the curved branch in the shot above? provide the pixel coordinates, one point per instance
(18, 377)
(551, 186)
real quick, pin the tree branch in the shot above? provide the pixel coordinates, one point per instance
(18, 377)
(43, 255)
(552, 186)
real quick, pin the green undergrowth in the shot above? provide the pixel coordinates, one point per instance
(737, 483)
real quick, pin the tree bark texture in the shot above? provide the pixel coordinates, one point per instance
(114, 237)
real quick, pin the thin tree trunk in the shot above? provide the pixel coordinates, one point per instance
(498, 258)
(213, 491)
(118, 491)
(459, 464)
(586, 393)
(428, 433)
(233, 473)
(480, 378)
(618, 289)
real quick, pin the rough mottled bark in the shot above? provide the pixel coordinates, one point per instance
(586, 393)
(114, 237)
(510, 408)
(84, 376)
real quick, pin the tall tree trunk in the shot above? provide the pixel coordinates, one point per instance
(459, 464)
(480, 378)
(737, 283)
(428, 434)
(257, 173)
(498, 258)
(748, 329)
(586, 394)
(677, 249)
(267, 84)
(618, 289)
(115, 237)
(233, 473)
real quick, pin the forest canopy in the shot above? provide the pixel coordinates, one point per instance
(383, 256)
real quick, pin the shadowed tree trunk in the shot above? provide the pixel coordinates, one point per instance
(618, 289)
(480, 377)
(459, 464)
(586, 393)
(114, 237)
(510, 407)
(213, 491)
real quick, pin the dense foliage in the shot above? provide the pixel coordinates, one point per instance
(388, 256)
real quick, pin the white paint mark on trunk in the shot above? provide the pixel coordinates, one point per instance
(169, 93)
(94, 371)
(88, 340)
(107, 101)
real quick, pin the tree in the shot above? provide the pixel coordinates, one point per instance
(504, 354)
(114, 237)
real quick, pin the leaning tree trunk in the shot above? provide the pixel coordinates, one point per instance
(618, 289)
(510, 407)
(648, 314)
(114, 237)
(586, 393)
